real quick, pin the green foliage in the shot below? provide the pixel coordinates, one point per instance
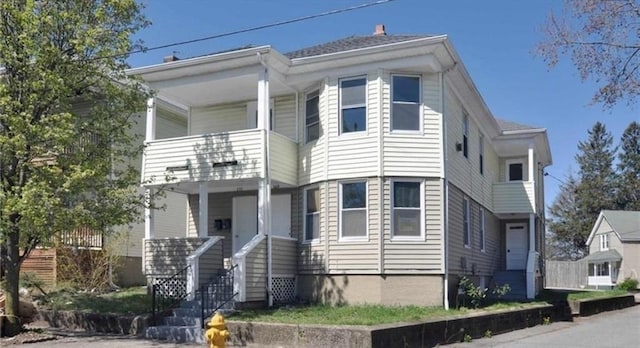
(628, 284)
(475, 293)
(628, 183)
(467, 338)
(600, 39)
(31, 280)
(66, 110)
(500, 290)
(130, 301)
(546, 321)
(488, 334)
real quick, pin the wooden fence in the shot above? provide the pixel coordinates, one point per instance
(566, 274)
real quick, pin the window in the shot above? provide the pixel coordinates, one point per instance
(604, 242)
(353, 105)
(599, 269)
(312, 116)
(465, 135)
(481, 154)
(466, 222)
(483, 242)
(252, 115)
(514, 171)
(407, 209)
(353, 209)
(312, 214)
(405, 103)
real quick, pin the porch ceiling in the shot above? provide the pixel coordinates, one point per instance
(222, 186)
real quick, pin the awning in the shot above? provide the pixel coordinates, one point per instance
(604, 256)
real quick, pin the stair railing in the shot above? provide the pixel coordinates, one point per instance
(168, 292)
(216, 294)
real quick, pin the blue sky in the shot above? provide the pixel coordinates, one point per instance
(495, 39)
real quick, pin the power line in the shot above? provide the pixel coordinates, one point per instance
(246, 30)
(554, 177)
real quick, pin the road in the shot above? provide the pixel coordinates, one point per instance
(612, 329)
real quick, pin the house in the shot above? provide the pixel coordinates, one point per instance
(614, 248)
(363, 170)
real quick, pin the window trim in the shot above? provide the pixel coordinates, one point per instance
(315, 93)
(342, 238)
(420, 106)
(353, 106)
(481, 154)
(304, 214)
(507, 174)
(483, 230)
(604, 242)
(466, 222)
(421, 237)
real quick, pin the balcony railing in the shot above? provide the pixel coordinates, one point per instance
(219, 156)
(514, 197)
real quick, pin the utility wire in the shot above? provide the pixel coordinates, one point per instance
(553, 177)
(240, 31)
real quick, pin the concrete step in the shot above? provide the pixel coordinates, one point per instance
(176, 334)
(187, 312)
(182, 321)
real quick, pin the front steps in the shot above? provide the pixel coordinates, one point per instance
(517, 281)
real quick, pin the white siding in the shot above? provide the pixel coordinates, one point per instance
(283, 159)
(311, 257)
(219, 118)
(284, 256)
(312, 156)
(513, 197)
(256, 276)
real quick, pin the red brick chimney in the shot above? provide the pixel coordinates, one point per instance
(379, 30)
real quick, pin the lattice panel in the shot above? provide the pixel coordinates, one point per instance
(284, 289)
(171, 287)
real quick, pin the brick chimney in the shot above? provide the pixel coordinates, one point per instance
(379, 30)
(171, 58)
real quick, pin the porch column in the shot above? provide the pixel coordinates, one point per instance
(531, 176)
(203, 210)
(264, 185)
(149, 226)
(532, 258)
(150, 133)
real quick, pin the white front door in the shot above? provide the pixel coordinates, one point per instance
(244, 225)
(516, 236)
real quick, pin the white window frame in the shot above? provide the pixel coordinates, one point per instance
(481, 154)
(507, 174)
(466, 222)
(422, 211)
(304, 213)
(420, 107)
(465, 134)
(604, 242)
(309, 95)
(353, 106)
(483, 234)
(341, 209)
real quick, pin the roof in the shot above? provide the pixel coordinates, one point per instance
(625, 223)
(351, 43)
(604, 256)
(513, 126)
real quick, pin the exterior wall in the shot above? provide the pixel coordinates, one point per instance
(312, 155)
(614, 241)
(284, 257)
(210, 263)
(420, 290)
(256, 275)
(168, 256)
(462, 259)
(463, 172)
(630, 267)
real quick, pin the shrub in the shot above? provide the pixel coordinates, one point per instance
(475, 293)
(501, 290)
(628, 284)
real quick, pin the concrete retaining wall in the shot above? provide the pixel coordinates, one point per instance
(94, 322)
(594, 306)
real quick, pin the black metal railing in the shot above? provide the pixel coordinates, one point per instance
(217, 293)
(168, 292)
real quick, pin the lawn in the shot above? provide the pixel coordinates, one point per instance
(560, 295)
(129, 301)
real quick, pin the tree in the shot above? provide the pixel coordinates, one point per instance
(66, 107)
(596, 190)
(601, 38)
(628, 183)
(564, 241)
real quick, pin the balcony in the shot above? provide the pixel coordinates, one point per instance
(235, 155)
(514, 197)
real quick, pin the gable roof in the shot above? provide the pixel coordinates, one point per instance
(506, 125)
(351, 43)
(625, 224)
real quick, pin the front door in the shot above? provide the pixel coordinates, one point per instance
(516, 246)
(244, 225)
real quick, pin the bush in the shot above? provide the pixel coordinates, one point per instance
(628, 284)
(475, 293)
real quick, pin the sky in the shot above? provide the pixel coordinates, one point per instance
(495, 39)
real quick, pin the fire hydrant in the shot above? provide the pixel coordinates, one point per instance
(217, 333)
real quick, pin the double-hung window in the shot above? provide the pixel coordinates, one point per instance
(353, 210)
(465, 135)
(604, 242)
(483, 240)
(312, 116)
(311, 214)
(407, 209)
(405, 103)
(466, 222)
(353, 105)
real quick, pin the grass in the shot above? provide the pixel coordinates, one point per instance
(130, 301)
(558, 295)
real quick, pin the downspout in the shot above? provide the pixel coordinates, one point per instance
(445, 188)
(267, 173)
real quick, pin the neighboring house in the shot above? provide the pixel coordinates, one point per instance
(614, 248)
(363, 170)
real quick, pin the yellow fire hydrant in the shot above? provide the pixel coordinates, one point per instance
(217, 333)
